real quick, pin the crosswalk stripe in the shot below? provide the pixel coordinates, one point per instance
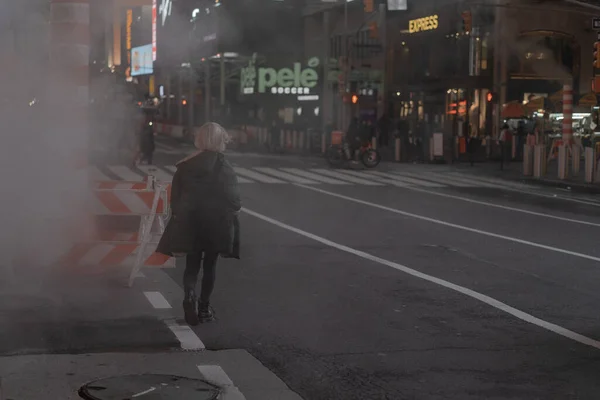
(409, 181)
(125, 173)
(468, 181)
(173, 169)
(97, 175)
(256, 176)
(158, 173)
(346, 177)
(442, 178)
(315, 177)
(244, 180)
(485, 181)
(370, 176)
(285, 175)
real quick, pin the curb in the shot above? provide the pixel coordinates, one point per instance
(572, 186)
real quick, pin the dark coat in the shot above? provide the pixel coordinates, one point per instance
(147, 140)
(205, 201)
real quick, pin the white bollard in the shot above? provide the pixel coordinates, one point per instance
(527, 160)
(563, 165)
(539, 161)
(397, 150)
(590, 165)
(576, 158)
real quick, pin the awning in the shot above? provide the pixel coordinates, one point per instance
(513, 110)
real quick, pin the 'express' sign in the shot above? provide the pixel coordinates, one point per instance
(423, 24)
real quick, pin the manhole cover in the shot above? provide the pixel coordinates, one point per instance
(149, 387)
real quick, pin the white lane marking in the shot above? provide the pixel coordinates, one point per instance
(98, 175)
(485, 203)
(408, 180)
(346, 177)
(157, 300)
(285, 175)
(449, 285)
(375, 178)
(158, 173)
(187, 338)
(171, 168)
(527, 189)
(454, 181)
(244, 180)
(316, 177)
(125, 173)
(256, 176)
(451, 225)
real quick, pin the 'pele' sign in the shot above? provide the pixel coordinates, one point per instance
(295, 80)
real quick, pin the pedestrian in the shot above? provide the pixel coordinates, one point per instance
(505, 141)
(205, 202)
(472, 146)
(147, 139)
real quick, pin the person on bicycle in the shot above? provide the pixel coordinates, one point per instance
(352, 139)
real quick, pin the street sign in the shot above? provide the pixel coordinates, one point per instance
(596, 23)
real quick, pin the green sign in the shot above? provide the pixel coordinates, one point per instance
(295, 80)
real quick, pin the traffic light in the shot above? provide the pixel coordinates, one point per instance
(369, 5)
(491, 97)
(467, 21)
(354, 99)
(597, 55)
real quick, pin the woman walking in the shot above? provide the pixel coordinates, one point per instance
(205, 201)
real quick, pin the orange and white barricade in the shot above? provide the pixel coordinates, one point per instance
(113, 200)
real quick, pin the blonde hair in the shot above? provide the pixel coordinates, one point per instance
(212, 137)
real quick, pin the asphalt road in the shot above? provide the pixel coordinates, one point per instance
(390, 291)
(329, 292)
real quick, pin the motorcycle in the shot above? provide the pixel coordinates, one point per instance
(336, 155)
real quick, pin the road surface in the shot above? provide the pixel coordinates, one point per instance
(410, 282)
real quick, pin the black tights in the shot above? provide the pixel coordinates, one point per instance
(192, 269)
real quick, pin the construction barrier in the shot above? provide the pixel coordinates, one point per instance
(147, 200)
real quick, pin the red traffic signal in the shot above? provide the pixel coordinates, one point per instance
(491, 97)
(354, 99)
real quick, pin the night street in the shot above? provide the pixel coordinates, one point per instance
(395, 289)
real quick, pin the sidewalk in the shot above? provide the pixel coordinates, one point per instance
(235, 374)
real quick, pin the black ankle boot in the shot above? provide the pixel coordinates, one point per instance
(189, 308)
(205, 312)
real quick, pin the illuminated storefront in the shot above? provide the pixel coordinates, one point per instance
(441, 74)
